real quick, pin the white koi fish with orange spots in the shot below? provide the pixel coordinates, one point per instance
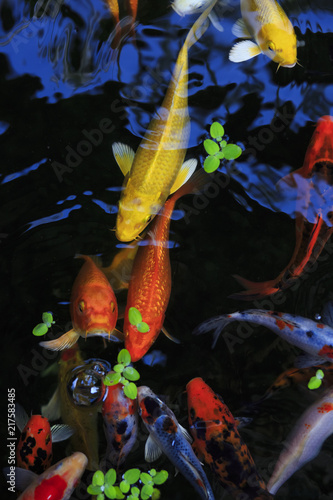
(305, 441)
(312, 337)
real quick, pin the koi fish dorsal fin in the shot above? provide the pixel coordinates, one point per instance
(21, 417)
(60, 432)
(240, 30)
(185, 434)
(199, 27)
(152, 450)
(186, 171)
(51, 411)
(243, 51)
(66, 341)
(124, 156)
(23, 478)
(169, 336)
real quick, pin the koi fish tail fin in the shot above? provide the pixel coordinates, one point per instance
(255, 290)
(217, 324)
(66, 341)
(199, 27)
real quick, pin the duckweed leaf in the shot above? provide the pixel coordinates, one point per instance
(211, 147)
(211, 163)
(147, 491)
(314, 383)
(134, 316)
(216, 130)
(124, 381)
(110, 477)
(143, 327)
(160, 477)
(156, 494)
(47, 319)
(152, 472)
(40, 329)
(131, 390)
(135, 491)
(110, 491)
(320, 374)
(93, 489)
(132, 476)
(131, 373)
(133, 497)
(232, 151)
(119, 494)
(112, 378)
(124, 486)
(223, 144)
(100, 496)
(118, 368)
(98, 478)
(124, 356)
(145, 478)
(219, 155)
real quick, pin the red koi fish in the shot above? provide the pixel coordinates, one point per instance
(218, 443)
(34, 449)
(310, 238)
(120, 417)
(93, 307)
(132, 8)
(56, 483)
(305, 441)
(150, 285)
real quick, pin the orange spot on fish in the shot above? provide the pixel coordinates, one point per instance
(51, 489)
(327, 350)
(320, 325)
(325, 408)
(280, 324)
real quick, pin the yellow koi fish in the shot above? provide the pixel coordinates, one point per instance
(268, 24)
(157, 169)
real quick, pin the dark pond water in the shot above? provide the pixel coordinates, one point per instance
(59, 80)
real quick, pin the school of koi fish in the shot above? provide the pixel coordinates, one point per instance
(155, 178)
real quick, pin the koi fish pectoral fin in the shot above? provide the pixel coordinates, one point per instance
(124, 156)
(185, 434)
(169, 336)
(240, 30)
(243, 51)
(184, 174)
(198, 478)
(215, 21)
(23, 477)
(243, 421)
(66, 341)
(61, 432)
(152, 450)
(52, 410)
(307, 360)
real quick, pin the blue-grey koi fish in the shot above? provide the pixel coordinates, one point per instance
(312, 337)
(305, 441)
(167, 435)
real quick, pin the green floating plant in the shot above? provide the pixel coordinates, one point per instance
(42, 328)
(124, 374)
(135, 319)
(316, 381)
(105, 485)
(218, 149)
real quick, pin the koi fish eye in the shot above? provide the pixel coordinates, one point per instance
(271, 46)
(81, 306)
(112, 307)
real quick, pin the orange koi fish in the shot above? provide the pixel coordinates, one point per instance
(150, 286)
(56, 483)
(78, 410)
(218, 442)
(305, 441)
(119, 271)
(34, 449)
(120, 417)
(93, 307)
(310, 238)
(132, 8)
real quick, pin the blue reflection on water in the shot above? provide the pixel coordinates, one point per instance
(53, 218)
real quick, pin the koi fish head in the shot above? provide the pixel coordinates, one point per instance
(93, 306)
(278, 44)
(135, 213)
(138, 343)
(34, 449)
(150, 406)
(184, 7)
